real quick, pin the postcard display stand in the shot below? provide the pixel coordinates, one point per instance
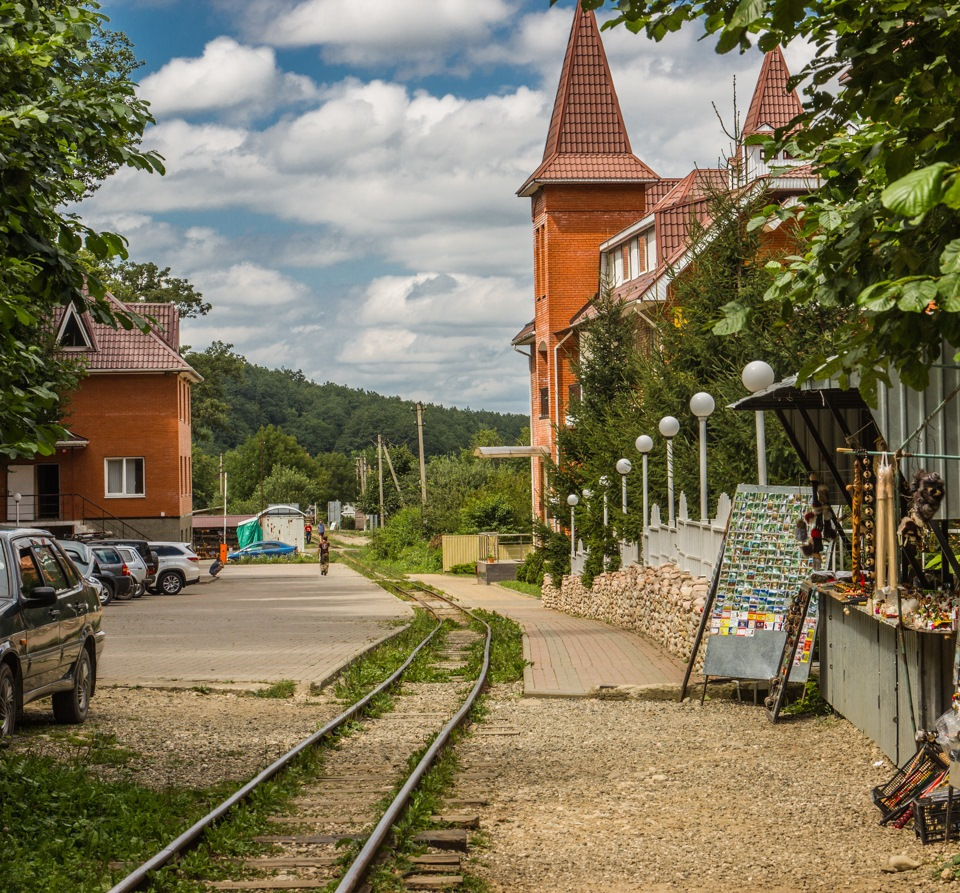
(761, 573)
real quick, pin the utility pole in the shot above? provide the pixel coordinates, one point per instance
(262, 506)
(423, 470)
(380, 473)
(393, 474)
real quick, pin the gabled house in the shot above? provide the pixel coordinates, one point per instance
(603, 218)
(125, 469)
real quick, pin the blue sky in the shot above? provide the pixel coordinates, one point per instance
(341, 176)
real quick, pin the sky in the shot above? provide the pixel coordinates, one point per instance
(341, 177)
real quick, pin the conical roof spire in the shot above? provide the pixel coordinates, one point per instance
(773, 105)
(587, 140)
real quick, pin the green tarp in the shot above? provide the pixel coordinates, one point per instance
(249, 532)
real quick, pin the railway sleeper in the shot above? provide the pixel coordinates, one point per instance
(432, 881)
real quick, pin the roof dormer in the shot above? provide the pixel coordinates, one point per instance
(73, 334)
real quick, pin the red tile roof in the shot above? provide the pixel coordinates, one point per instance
(167, 317)
(587, 140)
(773, 105)
(525, 335)
(656, 191)
(130, 350)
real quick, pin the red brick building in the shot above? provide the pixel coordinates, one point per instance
(126, 468)
(601, 215)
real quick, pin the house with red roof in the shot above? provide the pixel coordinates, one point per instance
(125, 468)
(602, 217)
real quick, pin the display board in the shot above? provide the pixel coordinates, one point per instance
(762, 570)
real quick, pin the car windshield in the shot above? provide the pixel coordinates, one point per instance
(109, 556)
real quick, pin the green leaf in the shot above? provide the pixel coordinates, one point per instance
(747, 13)
(735, 318)
(949, 293)
(917, 295)
(950, 257)
(951, 196)
(917, 192)
(830, 220)
(878, 298)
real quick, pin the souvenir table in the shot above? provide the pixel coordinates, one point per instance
(864, 667)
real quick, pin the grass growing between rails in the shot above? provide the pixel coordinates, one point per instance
(525, 588)
(506, 649)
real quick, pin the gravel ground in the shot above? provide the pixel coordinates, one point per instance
(585, 795)
(206, 737)
(616, 796)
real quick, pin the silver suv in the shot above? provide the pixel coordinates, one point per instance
(178, 566)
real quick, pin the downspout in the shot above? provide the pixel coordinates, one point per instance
(533, 481)
(556, 381)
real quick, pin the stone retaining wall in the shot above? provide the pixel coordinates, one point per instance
(664, 603)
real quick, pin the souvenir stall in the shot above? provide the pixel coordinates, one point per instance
(883, 485)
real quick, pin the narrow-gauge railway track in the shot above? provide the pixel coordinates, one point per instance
(345, 804)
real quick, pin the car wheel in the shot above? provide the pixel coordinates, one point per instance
(72, 706)
(170, 583)
(139, 590)
(107, 593)
(126, 596)
(8, 700)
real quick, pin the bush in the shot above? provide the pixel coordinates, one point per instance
(469, 567)
(531, 569)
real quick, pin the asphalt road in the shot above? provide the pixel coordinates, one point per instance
(254, 624)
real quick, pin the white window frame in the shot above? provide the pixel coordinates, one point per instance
(106, 477)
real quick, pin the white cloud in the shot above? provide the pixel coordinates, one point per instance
(379, 31)
(248, 285)
(228, 76)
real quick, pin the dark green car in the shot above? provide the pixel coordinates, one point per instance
(50, 629)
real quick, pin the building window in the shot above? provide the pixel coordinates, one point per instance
(124, 477)
(544, 403)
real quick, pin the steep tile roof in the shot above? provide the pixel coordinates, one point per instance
(525, 335)
(587, 139)
(167, 317)
(130, 350)
(687, 204)
(773, 105)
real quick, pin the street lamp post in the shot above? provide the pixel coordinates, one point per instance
(701, 405)
(572, 501)
(624, 467)
(755, 377)
(669, 428)
(16, 498)
(644, 444)
(605, 482)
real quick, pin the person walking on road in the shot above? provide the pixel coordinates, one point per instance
(323, 549)
(308, 532)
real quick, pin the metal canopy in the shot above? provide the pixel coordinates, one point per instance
(819, 417)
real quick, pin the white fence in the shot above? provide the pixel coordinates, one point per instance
(691, 545)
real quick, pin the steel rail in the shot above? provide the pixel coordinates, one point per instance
(368, 853)
(133, 880)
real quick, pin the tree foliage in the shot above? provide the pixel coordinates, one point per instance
(632, 378)
(884, 229)
(69, 115)
(135, 283)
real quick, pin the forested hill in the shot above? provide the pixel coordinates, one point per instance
(327, 417)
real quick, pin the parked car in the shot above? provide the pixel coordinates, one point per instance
(50, 629)
(147, 555)
(179, 566)
(117, 576)
(138, 570)
(265, 549)
(82, 556)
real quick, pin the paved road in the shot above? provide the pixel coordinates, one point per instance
(253, 624)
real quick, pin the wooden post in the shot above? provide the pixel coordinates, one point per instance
(423, 470)
(380, 474)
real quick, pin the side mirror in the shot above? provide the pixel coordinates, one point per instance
(41, 597)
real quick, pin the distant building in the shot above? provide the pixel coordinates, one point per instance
(126, 468)
(601, 215)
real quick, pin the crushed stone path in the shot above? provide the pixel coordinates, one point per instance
(570, 656)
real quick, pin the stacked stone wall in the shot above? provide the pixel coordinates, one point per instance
(664, 603)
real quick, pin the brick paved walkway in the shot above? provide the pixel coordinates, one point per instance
(571, 656)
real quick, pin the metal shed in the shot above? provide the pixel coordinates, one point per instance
(864, 675)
